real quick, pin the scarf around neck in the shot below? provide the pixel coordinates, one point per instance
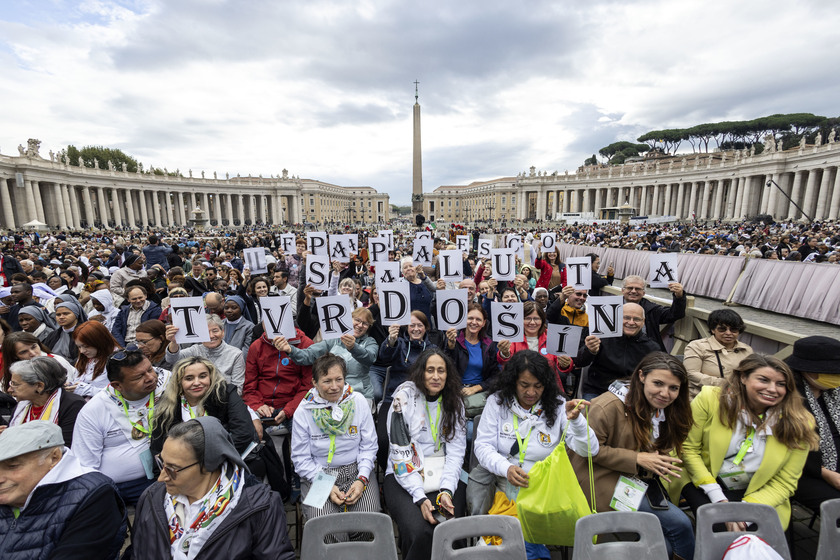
(331, 418)
(23, 411)
(828, 451)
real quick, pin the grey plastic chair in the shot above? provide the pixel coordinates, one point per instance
(650, 546)
(712, 545)
(829, 543)
(382, 547)
(505, 526)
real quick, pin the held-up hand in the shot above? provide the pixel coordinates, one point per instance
(420, 272)
(659, 464)
(440, 285)
(171, 331)
(564, 361)
(393, 333)
(504, 347)
(282, 344)
(676, 289)
(592, 343)
(492, 282)
(517, 476)
(451, 335)
(308, 292)
(566, 292)
(574, 407)
(348, 340)
(336, 266)
(610, 271)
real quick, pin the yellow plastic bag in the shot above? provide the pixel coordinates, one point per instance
(553, 501)
(501, 506)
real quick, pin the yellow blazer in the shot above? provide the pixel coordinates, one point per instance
(703, 452)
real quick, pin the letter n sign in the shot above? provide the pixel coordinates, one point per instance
(606, 316)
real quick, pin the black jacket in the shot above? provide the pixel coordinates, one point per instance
(616, 359)
(461, 356)
(255, 529)
(656, 315)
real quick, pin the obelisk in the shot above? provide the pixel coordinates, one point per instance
(417, 170)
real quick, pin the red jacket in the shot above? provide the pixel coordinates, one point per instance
(269, 381)
(552, 359)
(546, 270)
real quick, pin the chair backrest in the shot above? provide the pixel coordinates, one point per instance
(504, 526)
(473, 458)
(712, 545)
(382, 547)
(651, 543)
(829, 543)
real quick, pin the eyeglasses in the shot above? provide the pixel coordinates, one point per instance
(171, 472)
(583, 295)
(142, 343)
(532, 320)
(360, 323)
(123, 354)
(633, 289)
(633, 319)
(722, 329)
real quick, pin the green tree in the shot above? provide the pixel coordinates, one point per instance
(102, 155)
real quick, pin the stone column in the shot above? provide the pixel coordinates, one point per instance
(205, 205)
(60, 206)
(6, 203)
(821, 211)
(156, 208)
(104, 215)
(39, 205)
(217, 208)
(192, 205)
(771, 194)
(129, 208)
(585, 206)
(90, 216)
(811, 193)
(654, 205)
(115, 200)
(693, 205)
(240, 210)
(834, 207)
(705, 202)
(541, 204)
(228, 209)
(31, 214)
(680, 213)
(795, 195)
(260, 206)
(73, 197)
(598, 204)
(144, 207)
(666, 200)
(717, 208)
(180, 213)
(170, 210)
(732, 198)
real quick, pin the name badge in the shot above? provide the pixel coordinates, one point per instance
(320, 490)
(628, 495)
(735, 480)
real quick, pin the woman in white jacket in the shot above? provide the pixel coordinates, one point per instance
(427, 436)
(334, 441)
(522, 423)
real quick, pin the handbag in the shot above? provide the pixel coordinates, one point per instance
(474, 404)
(750, 547)
(553, 501)
(433, 467)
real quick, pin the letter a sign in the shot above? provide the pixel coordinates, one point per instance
(663, 270)
(188, 315)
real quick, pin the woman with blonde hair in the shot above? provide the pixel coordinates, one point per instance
(749, 441)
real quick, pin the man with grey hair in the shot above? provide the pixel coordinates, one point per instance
(633, 290)
(50, 505)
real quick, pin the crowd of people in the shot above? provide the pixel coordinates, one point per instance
(104, 410)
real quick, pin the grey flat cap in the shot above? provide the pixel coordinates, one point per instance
(26, 438)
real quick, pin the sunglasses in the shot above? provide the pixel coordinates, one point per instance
(171, 472)
(123, 354)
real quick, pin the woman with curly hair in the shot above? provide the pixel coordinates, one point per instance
(522, 423)
(427, 436)
(639, 423)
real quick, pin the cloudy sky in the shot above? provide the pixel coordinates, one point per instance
(325, 88)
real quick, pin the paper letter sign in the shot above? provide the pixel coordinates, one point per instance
(663, 269)
(514, 241)
(423, 235)
(389, 233)
(422, 252)
(335, 315)
(255, 260)
(341, 246)
(563, 340)
(579, 272)
(606, 315)
(507, 321)
(463, 243)
(548, 242)
(317, 271)
(386, 272)
(189, 316)
(394, 304)
(277, 317)
(504, 264)
(287, 243)
(451, 265)
(451, 309)
(484, 248)
(317, 243)
(378, 249)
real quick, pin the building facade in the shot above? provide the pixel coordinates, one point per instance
(33, 188)
(721, 185)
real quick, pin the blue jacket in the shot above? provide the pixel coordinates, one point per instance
(156, 254)
(120, 328)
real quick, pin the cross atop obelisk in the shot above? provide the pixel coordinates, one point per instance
(417, 168)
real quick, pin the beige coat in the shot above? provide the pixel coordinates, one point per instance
(702, 365)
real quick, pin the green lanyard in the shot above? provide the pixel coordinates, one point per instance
(332, 449)
(523, 447)
(149, 414)
(16, 512)
(747, 446)
(189, 408)
(434, 423)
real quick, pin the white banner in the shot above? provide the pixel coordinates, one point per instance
(563, 340)
(189, 316)
(277, 317)
(579, 272)
(255, 260)
(606, 316)
(386, 272)
(663, 270)
(507, 321)
(316, 241)
(423, 251)
(335, 315)
(394, 304)
(451, 309)
(504, 264)
(318, 271)
(451, 265)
